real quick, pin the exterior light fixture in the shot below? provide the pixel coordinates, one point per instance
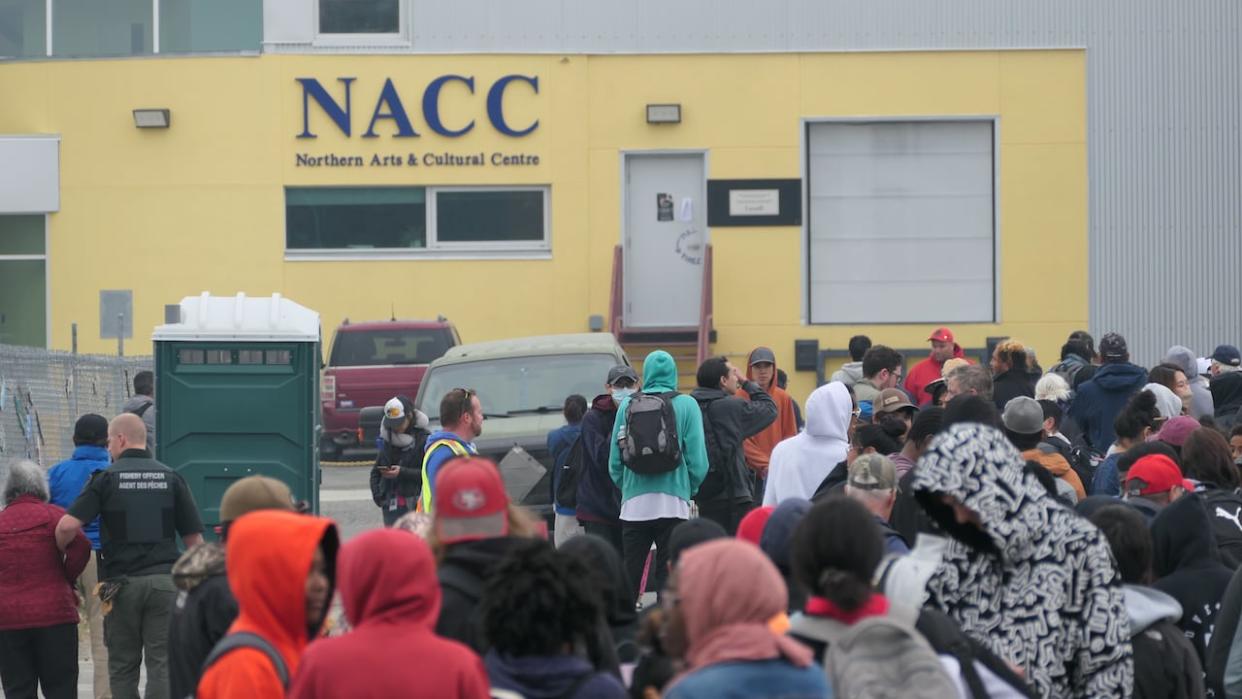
(152, 118)
(664, 114)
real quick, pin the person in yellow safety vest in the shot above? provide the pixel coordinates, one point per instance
(461, 422)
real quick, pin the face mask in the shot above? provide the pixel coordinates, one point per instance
(619, 394)
(402, 440)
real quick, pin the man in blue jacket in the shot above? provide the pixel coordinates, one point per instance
(653, 504)
(1101, 399)
(560, 444)
(65, 482)
(461, 422)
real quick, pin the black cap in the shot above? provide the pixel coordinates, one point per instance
(1113, 346)
(762, 354)
(621, 371)
(91, 429)
(691, 533)
(1227, 355)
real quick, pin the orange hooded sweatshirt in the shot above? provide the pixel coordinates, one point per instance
(269, 556)
(758, 449)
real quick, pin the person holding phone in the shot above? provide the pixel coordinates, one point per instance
(397, 476)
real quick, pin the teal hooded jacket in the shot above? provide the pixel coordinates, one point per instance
(660, 376)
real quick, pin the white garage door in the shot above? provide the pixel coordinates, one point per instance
(901, 221)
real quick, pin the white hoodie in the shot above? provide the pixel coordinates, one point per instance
(799, 464)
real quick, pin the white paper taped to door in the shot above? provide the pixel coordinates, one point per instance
(686, 213)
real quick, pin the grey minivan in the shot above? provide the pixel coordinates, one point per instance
(522, 384)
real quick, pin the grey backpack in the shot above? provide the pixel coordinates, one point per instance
(881, 657)
(648, 440)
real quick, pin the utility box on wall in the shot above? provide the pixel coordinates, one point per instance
(237, 385)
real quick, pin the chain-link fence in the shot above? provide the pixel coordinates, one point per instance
(43, 392)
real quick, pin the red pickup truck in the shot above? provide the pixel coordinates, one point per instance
(369, 363)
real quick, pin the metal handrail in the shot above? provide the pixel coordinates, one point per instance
(615, 298)
(705, 308)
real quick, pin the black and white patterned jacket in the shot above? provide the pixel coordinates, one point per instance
(1036, 582)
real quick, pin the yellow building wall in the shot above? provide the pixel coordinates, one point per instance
(200, 206)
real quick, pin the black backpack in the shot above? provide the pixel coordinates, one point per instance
(246, 639)
(719, 471)
(570, 474)
(648, 440)
(1224, 507)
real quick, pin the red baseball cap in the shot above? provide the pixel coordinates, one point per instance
(470, 502)
(1158, 472)
(941, 335)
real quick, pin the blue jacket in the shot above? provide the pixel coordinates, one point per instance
(551, 677)
(753, 678)
(599, 499)
(1107, 480)
(1101, 399)
(438, 456)
(560, 441)
(66, 479)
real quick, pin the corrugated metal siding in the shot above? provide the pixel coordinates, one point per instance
(1164, 98)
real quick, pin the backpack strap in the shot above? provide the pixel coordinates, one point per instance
(817, 627)
(246, 639)
(142, 409)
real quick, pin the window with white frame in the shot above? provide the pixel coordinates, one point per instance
(353, 220)
(360, 17)
(23, 280)
(901, 221)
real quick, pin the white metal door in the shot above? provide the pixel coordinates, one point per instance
(664, 239)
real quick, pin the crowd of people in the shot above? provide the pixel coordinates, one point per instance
(952, 530)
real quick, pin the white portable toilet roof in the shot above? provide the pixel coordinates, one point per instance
(265, 319)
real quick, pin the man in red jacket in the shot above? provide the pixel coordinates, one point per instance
(944, 348)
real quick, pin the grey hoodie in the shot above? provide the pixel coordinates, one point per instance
(1201, 397)
(133, 405)
(849, 374)
(1147, 606)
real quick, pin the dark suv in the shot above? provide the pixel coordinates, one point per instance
(370, 363)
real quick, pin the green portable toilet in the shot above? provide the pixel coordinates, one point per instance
(237, 394)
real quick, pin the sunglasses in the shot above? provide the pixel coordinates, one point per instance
(467, 394)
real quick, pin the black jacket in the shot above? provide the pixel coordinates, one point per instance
(1227, 398)
(409, 480)
(1008, 385)
(1226, 626)
(599, 499)
(731, 421)
(1188, 568)
(462, 573)
(200, 616)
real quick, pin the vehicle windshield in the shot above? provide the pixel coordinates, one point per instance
(519, 385)
(389, 346)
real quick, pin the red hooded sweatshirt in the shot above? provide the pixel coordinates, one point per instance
(392, 599)
(758, 449)
(269, 556)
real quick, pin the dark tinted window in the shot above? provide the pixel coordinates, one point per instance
(384, 347)
(359, 16)
(489, 216)
(355, 218)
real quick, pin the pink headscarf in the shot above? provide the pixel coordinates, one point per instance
(729, 591)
